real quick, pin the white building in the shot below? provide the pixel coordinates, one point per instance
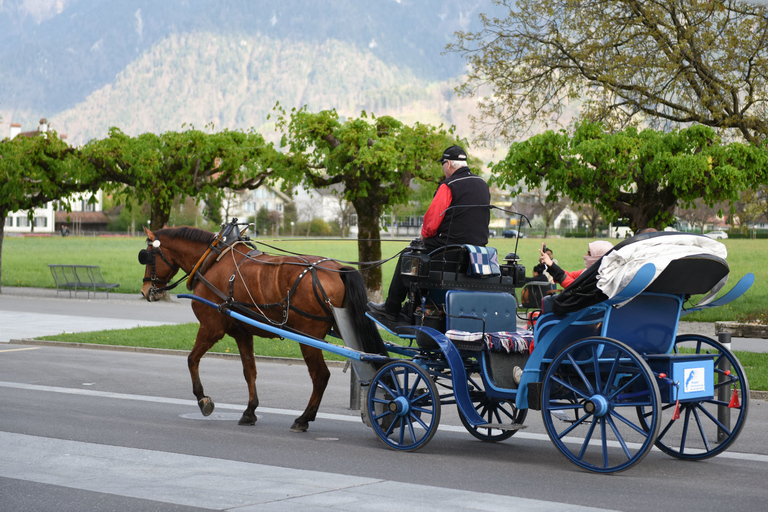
(325, 204)
(243, 204)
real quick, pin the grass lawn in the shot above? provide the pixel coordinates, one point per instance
(25, 260)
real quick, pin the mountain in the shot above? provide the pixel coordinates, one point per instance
(55, 53)
(234, 82)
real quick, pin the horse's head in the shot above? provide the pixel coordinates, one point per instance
(159, 268)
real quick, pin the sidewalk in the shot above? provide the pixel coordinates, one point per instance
(30, 312)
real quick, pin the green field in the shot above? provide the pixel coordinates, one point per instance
(25, 260)
(25, 264)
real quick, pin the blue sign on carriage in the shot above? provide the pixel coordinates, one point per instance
(693, 373)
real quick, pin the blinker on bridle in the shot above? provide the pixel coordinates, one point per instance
(147, 257)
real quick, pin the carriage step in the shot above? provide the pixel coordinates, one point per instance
(564, 417)
(500, 426)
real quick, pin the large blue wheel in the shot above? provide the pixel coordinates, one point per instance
(589, 397)
(404, 406)
(706, 427)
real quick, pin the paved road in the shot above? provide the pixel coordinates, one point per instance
(85, 429)
(92, 430)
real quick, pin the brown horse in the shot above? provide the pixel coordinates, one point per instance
(295, 292)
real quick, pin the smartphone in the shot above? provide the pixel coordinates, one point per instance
(543, 248)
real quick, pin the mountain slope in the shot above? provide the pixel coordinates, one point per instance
(234, 82)
(56, 54)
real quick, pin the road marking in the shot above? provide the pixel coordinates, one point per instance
(19, 349)
(327, 416)
(221, 484)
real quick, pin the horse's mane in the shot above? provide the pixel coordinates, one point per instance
(187, 233)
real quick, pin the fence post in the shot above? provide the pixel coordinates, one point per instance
(723, 413)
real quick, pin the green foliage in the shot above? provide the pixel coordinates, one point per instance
(638, 175)
(625, 62)
(375, 159)
(173, 166)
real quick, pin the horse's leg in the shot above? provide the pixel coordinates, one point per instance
(245, 346)
(320, 374)
(203, 342)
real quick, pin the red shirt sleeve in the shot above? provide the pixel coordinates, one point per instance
(434, 215)
(570, 277)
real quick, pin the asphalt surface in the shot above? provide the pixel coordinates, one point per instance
(121, 473)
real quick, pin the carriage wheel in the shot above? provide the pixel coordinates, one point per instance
(707, 427)
(589, 394)
(404, 406)
(494, 410)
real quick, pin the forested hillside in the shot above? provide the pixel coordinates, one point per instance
(146, 65)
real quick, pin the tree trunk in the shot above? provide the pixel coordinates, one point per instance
(369, 246)
(159, 216)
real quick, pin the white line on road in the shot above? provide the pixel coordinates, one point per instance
(290, 412)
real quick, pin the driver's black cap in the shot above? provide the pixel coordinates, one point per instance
(453, 153)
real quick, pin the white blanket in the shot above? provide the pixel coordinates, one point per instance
(618, 267)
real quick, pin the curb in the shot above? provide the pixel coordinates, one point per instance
(168, 352)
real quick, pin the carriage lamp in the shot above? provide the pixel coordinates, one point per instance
(513, 269)
(415, 263)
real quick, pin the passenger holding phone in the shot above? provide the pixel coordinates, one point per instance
(595, 251)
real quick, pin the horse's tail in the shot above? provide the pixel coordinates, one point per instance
(357, 302)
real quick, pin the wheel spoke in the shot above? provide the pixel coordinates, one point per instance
(590, 389)
(568, 386)
(631, 425)
(618, 435)
(701, 429)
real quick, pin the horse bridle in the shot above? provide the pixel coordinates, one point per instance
(148, 257)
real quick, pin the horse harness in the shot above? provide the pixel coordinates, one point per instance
(148, 256)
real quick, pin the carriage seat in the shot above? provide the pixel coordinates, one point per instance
(476, 312)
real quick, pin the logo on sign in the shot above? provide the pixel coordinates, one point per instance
(694, 380)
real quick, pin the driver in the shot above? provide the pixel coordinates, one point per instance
(441, 228)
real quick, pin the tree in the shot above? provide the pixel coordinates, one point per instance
(636, 175)
(375, 159)
(752, 207)
(591, 217)
(699, 214)
(35, 170)
(666, 63)
(176, 165)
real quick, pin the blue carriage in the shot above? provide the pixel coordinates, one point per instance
(605, 364)
(608, 371)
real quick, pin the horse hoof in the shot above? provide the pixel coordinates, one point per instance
(247, 419)
(299, 427)
(206, 405)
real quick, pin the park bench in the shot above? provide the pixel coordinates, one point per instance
(80, 277)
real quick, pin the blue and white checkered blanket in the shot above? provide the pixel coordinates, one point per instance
(483, 261)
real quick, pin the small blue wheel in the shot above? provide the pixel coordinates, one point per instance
(706, 427)
(404, 406)
(589, 397)
(495, 411)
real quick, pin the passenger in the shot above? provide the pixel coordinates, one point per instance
(595, 251)
(459, 226)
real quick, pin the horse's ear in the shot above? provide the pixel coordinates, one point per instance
(150, 234)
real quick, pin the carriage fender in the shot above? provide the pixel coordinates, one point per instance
(365, 371)
(458, 375)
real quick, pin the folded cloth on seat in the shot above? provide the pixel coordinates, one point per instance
(518, 342)
(457, 335)
(483, 261)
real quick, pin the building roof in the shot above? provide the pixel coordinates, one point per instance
(81, 217)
